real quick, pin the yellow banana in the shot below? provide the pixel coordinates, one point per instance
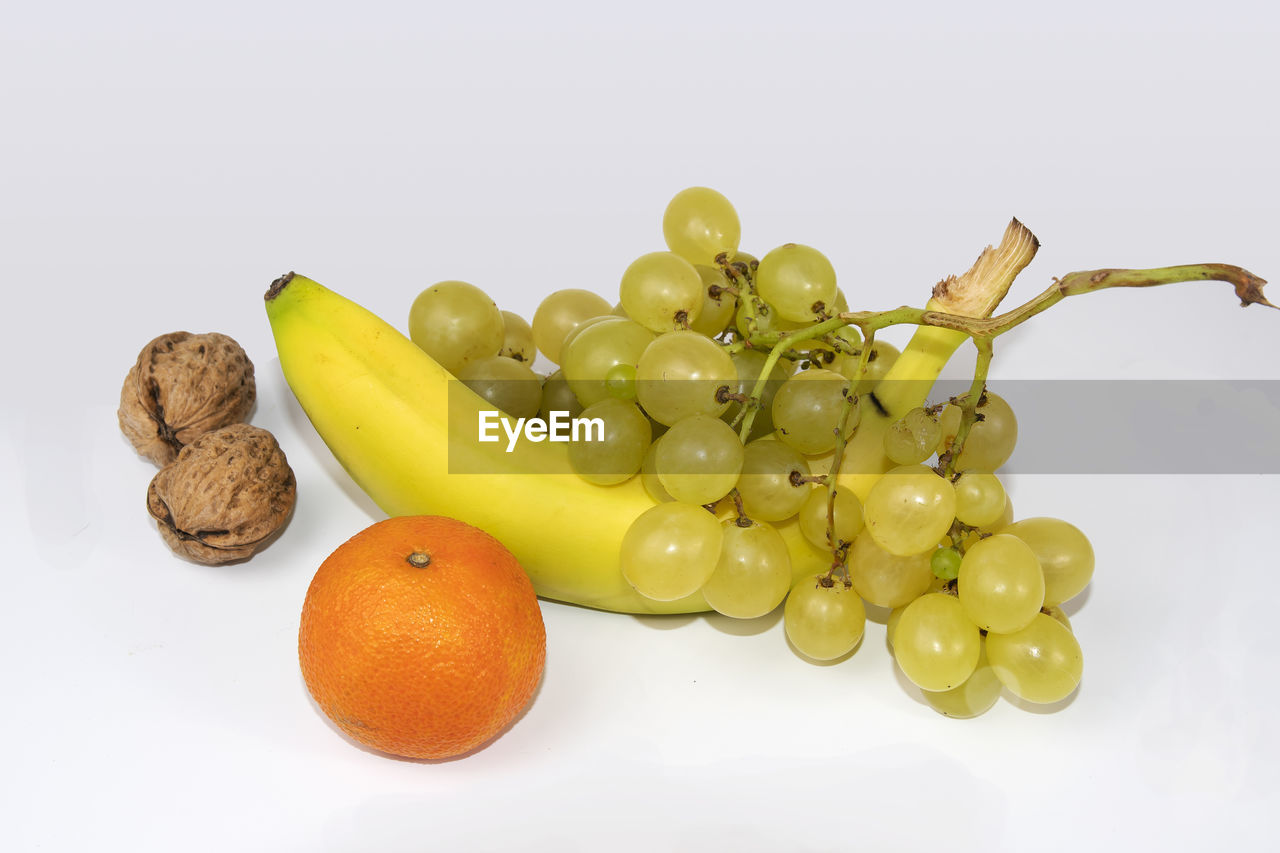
(396, 422)
(383, 407)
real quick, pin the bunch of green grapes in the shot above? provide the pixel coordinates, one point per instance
(975, 597)
(675, 371)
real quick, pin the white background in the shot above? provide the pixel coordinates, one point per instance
(160, 165)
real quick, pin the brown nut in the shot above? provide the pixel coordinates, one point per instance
(225, 497)
(181, 386)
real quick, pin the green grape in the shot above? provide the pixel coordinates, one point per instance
(912, 438)
(891, 624)
(1065, 555)
(620, 381)
(940, 585)
(557, 396)
(1006, 518)
(679, 374)
(806, 409)
(980, 499)
(746, 259)
(935, 644)
(590, 352)
(975, 697)
(841, 305)
(990, 441)
(1000, 584)
(582, 327)
(661, 290)
(649, 474)
(517, 338)
(619, 311)
(455, 323)
(823, 622)
(699, 459)
(945, 563)
(997, 526)
(1056, 611)
(767, 319)
(765, 481)
(749, 364)
(615, 454)
(909, 510)
(883, 355)
(560, 313)
(717, 311)
(505, 384)
(885, 579)
(1041, 663)
(700, 224)
(670, 550)
(819, 463)
(798, 281)
(847, 517)
(753, 573)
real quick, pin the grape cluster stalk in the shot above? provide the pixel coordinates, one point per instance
(751, 402)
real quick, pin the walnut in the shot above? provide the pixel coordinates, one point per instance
(181, 386)
(225, 497)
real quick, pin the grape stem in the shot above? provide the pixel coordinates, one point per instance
(968, 408)
(959, 531)
(983, 331)
(724, 395)
(744, 287)
(840, 550)
(1248, 288)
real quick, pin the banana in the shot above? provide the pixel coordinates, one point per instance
(407, 435)
(385, 410)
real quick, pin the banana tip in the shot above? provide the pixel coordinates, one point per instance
(278, 285)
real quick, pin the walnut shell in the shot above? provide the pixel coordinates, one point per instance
(184, 385)
(225, 497)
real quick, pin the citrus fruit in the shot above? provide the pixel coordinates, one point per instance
(421, 637)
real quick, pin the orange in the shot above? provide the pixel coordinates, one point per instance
(421, 636)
